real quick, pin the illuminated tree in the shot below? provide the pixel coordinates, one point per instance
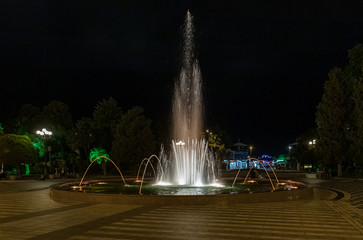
(39, 146)
(98, 152)
(214, 141)
(16, 149)
(216, 145)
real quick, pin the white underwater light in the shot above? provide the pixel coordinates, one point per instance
(180, 143)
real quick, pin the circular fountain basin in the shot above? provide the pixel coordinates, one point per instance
(114, 192)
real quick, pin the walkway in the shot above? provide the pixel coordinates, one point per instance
(27, 212)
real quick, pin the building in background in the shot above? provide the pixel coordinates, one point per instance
(237, 156)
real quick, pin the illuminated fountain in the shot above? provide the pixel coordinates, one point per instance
(191, 162)
(252, 169)
(189, 168)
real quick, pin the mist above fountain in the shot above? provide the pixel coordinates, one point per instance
(190, 160)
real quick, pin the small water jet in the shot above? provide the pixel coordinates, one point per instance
(252, 168)
(122, 177)
(143, 175)
(141, 164)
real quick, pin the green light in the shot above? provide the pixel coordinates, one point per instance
(39, 145)
(13, 171)
(98, 152)
(282, 158)
(27, 170)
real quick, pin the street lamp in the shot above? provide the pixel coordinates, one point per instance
(44, 133)
(290, 160)
(312, 143)
(312, 148)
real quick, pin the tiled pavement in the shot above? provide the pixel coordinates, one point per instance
(26, 185)
(27, 212)
(353, 187)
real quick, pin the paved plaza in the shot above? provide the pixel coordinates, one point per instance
(28, 212)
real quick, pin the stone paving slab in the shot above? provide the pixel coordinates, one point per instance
(33, 215)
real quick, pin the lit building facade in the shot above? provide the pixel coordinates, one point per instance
(239, 158)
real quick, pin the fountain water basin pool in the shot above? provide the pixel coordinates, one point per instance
(113, 191)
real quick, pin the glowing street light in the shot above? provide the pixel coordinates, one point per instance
(44, 133)
(312, 143)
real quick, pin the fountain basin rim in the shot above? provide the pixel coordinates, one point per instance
(218, 199)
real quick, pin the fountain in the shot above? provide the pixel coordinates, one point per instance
(189, 168)
(251, 168)
(191, 162)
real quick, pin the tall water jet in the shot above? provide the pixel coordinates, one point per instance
(190, 159)
(187, 99)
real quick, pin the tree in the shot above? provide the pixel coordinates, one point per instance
(82, 136)
(16, 149)
(216, 147)
(330, 119)
(95, 154)
(80, 140)
(354, 126)
(355, 129)
(27, 119)
(105, 117)
(134, 139)
(214, 143)
(57, 118)
(354, 69)
(339, 115)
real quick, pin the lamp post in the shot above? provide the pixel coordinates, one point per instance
(312, 147)
(312, 143)
(290, 160)
(44, 133)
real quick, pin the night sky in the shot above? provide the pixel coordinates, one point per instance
(263, 63)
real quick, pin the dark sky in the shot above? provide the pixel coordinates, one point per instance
(263, 63)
